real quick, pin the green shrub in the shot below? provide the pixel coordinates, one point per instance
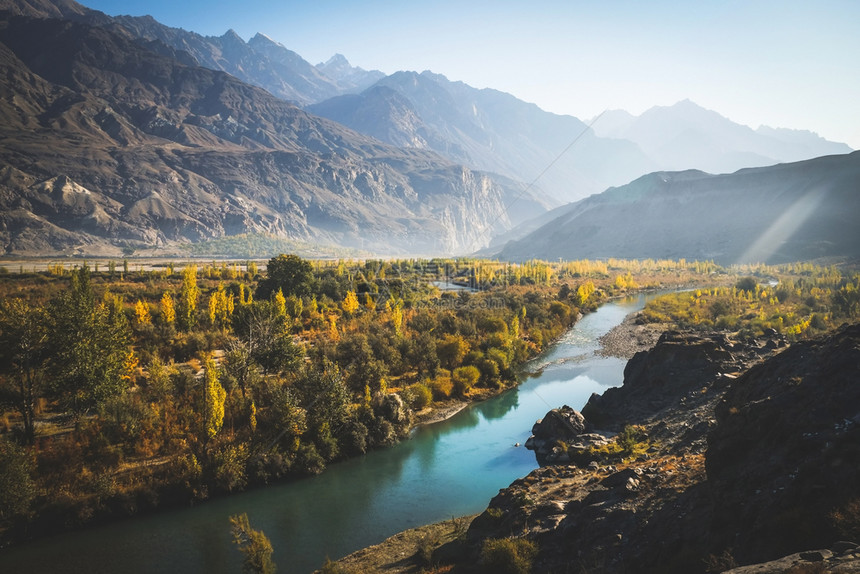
(508, 555)
(441, 387)
(465, 378)
(418, 396)
(17, 489)
(229, 467)
(330, 567)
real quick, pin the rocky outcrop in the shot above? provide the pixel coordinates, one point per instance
(557, 426)
(842, 558)
(755, 456)
(785, 453)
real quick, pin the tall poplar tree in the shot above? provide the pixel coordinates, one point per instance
(186, 312)
(214, 397)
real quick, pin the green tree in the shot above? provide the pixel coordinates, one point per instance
(292, 274)
(288, 418)
(464, 378)
(452, 350)
(23, 353)
(253, 544)
(363, 369)
(89, 346)
(324, 394)
(263, 338)
(748, 284)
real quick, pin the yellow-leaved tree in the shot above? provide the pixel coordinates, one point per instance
(280, 303)
(350, 303)
(188, 295)
(214, 397)
(141, 313)
(168, 309)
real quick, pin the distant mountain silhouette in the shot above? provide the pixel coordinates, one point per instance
(781, 213)
(687, 136)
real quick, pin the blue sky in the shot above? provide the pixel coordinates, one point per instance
(793, 64)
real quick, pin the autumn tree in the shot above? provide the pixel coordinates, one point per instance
(350, 303)
(280, 304)
(23, 353)
(141, 313)
(168, 309)
(464, 378)
(89, 346)
(186, 309)
(452, 350)
(214, 397)
(221, 307)
(254, 545)
(396, 317)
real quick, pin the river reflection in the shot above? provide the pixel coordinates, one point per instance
(446, 469)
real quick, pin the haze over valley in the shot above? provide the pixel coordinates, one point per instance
(180, 138)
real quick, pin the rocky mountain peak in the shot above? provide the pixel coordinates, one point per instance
(230, 36)
(338, 61)
(260, 39)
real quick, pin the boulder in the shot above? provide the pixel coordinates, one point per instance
(562, 424)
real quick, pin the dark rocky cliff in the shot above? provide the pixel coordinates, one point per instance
(753, 453)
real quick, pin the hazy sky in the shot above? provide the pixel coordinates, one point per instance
(782, 63)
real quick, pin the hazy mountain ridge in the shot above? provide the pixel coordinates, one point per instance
(775, 214)
(109, 144)
(687, 136)
(492, 131)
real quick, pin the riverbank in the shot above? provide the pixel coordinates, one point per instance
(439, 412)
(407, 552)
(630, 337)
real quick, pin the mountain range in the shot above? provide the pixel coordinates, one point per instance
(787, 212)
(123, 133)
(107, 144)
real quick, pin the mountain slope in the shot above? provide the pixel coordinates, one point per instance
(687, 136)
(489, 130)
(775, 214)
(106, 144)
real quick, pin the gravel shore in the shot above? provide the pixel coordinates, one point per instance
(628, 338)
